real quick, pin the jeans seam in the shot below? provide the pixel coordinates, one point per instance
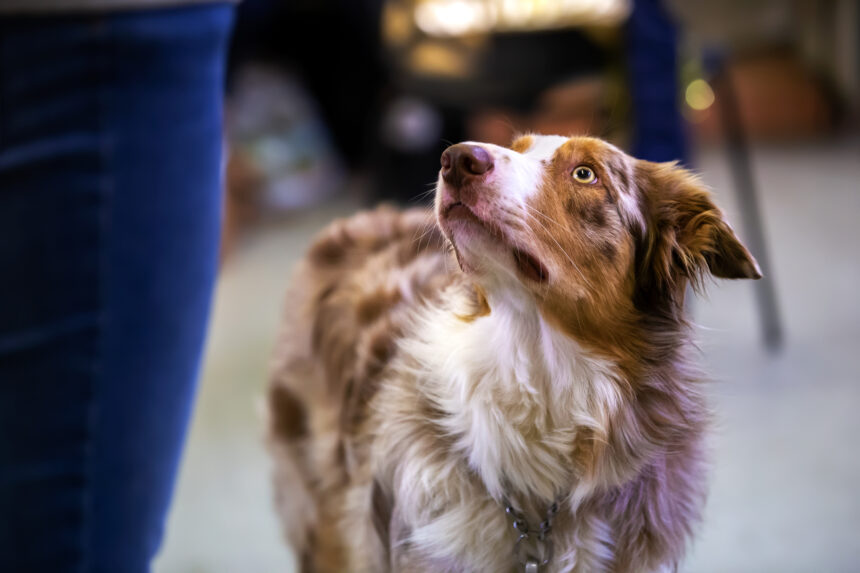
(2, 82)
(106, 63)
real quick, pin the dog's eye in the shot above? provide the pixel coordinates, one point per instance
(584, 174)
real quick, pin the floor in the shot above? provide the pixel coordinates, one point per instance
(786, 480)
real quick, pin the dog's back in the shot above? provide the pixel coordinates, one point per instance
(349, 300)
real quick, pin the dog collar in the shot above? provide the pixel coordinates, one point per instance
(533, 548)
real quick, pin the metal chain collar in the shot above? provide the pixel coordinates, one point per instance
(533, 548)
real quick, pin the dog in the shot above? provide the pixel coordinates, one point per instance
(505, 383)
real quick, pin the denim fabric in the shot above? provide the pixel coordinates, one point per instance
(652, 62)
(110, 175)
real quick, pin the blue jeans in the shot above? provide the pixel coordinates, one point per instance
(110, 205)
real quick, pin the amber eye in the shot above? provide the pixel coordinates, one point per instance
(584, 174)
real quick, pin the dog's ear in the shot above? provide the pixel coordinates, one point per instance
(686, 234)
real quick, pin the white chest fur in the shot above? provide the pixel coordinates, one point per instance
(513, 393)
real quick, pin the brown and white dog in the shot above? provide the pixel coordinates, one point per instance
(543, 369)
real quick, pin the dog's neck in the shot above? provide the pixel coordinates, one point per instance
(515, 392)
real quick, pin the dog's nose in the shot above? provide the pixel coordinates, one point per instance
(462, 162)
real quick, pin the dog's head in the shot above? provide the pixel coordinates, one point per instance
(582, 227)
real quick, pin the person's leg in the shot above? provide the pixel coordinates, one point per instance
(652, 61)
(110, 160)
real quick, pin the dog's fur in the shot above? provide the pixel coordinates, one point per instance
(530, 345)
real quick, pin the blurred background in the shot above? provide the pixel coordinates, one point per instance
(335, 105)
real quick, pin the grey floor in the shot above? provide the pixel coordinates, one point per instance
(786, 479)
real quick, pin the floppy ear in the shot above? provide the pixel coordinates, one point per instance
(686, 234)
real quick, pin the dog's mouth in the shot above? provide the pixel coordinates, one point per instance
(527, 264)
(459, 211)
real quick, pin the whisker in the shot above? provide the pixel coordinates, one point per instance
(427, 229)
(544, 215)
(426, 234)
(575, 266)
(424, 194)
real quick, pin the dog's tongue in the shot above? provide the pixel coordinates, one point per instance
(529, 266)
